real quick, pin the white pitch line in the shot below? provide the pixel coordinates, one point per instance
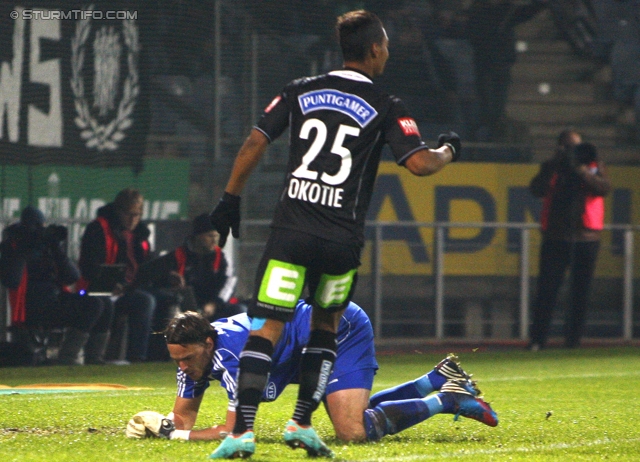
(565, 376)
(70, 395)
(537, 378)
(505, 451)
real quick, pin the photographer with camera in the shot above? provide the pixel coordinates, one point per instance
(573, 184)
(36, 270)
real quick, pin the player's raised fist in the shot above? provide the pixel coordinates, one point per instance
(452, 140)
(226, 216)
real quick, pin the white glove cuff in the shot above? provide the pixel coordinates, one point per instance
(450, 146)
(180, 435)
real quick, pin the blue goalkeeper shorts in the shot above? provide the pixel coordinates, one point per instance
(355, 364)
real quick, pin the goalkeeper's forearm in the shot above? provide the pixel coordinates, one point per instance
(217, 432)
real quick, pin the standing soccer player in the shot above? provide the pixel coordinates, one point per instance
(338, 124)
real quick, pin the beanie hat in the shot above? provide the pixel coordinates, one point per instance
(31, 217)
(201, 224)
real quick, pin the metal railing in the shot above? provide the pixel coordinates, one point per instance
(377, 308)
(246, 252)
(525, 231)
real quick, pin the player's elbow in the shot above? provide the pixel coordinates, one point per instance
(257, 141)
(424, 162)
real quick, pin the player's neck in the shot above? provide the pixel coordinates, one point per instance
(360, 67)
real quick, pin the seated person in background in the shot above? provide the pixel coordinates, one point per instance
(206, 352)
(195, 276)
(34, 266)
(200, 266)
(117, 236)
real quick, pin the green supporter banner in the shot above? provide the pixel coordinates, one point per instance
(75, 193)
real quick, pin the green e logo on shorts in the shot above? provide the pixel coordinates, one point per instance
(334, 289)
(282, 284)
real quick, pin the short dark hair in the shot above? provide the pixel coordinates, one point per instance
(356, 32)
(565, 138)
(201, 224)
(127, 198)
(189, 328)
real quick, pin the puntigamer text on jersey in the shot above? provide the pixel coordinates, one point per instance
(352, 105)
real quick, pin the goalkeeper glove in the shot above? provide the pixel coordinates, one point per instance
(149, 424)
(227, 215)
(452, 140)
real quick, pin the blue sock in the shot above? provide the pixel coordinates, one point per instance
(408, 390)
(436, 381)
(391, 417)
(418, 388)
(447, 402)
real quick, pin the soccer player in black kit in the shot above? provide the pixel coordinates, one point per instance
(338, 124)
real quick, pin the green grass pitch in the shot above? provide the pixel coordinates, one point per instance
(556, 405)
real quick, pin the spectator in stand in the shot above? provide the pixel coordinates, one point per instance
(195, 276)
(618, 43)
(34, 266)
(451, 41)
(415, 69)
(491, 31)
(573, 184)
(117, 236)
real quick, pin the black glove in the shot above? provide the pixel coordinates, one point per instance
(226, 215)
(452, 140)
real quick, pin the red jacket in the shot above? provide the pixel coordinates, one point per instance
(103, 243)
(32, 264)
(573, 203)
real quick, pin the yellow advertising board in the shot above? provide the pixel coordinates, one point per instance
(481, 193)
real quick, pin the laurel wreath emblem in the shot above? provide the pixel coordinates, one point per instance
(96, 135)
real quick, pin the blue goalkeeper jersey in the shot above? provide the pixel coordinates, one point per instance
(355, 363)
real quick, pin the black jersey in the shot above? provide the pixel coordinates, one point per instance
(339, 123)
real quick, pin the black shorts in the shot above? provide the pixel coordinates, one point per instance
(294, 260)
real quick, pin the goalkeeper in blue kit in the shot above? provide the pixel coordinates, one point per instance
(210, 352)
(338, 124)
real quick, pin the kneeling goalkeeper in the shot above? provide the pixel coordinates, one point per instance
(206, 352)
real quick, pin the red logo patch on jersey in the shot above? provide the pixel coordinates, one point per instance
(409, 126)
(275, 101)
